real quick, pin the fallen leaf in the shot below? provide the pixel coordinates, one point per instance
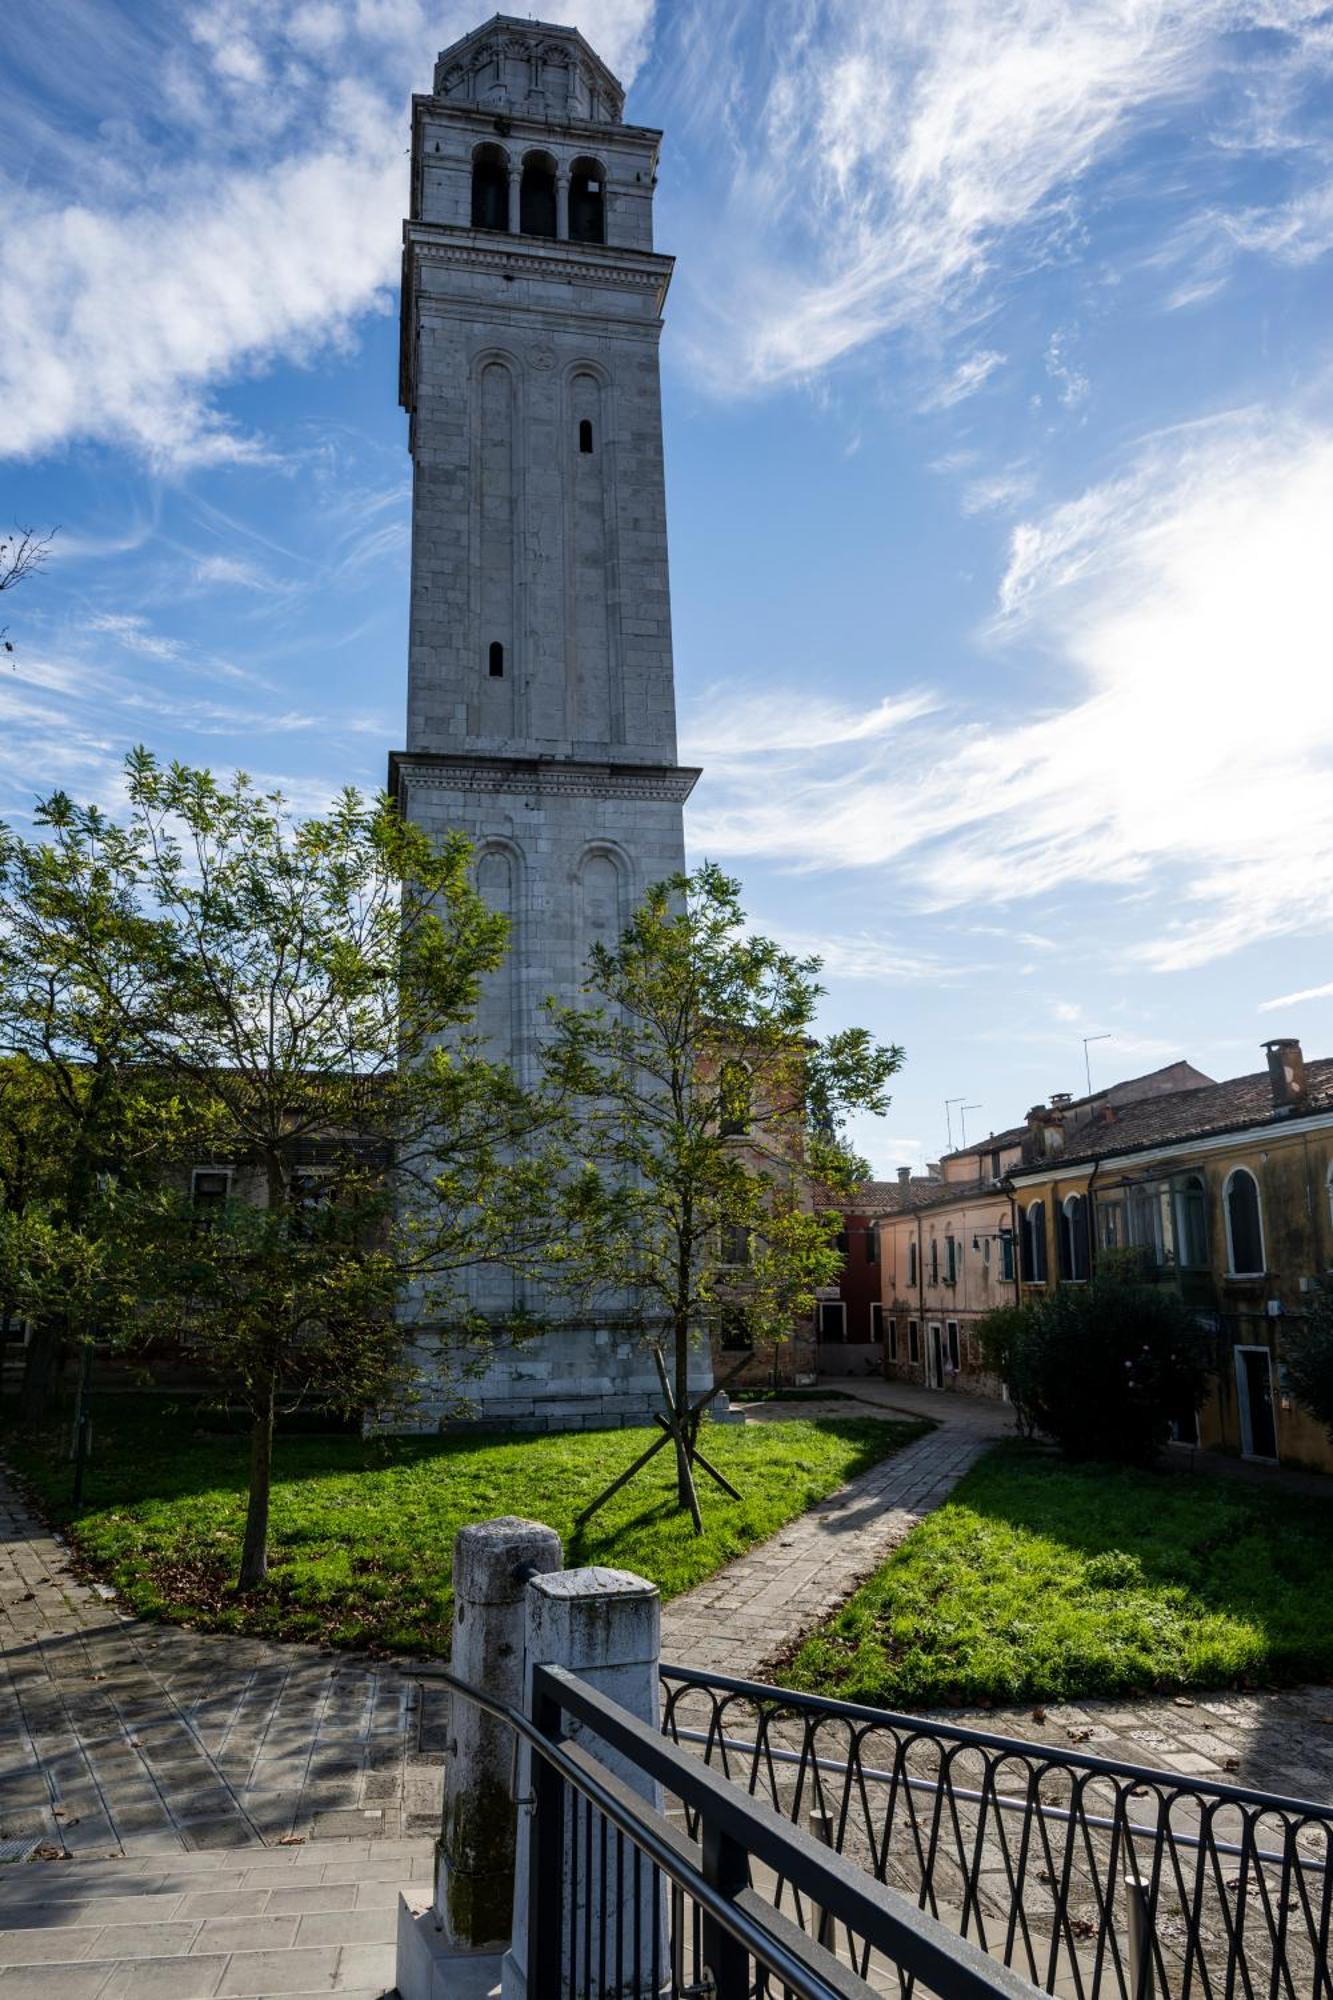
(1039, 1715)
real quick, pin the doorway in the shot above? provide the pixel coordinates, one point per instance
(1254, 1391)
(934, 1356)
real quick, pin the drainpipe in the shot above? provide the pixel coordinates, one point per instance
(921, 1293)
(1092, 1218)
(1014, 1240)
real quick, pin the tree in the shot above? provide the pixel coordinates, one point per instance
(76, 1104)
(306, 988)
(1103, 1367)
(22, 552)
(1307, 1349)
(710, 1113)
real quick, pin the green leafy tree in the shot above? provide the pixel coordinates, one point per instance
(1102, 1368)
(1307, 1349)
(713, 1119)
(76, 1103)
(306, 987)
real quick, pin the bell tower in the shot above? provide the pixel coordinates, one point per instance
(541, 705)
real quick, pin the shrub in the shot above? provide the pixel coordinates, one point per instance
(1307, 1349)
(1005, 1348)
(1103, 1368)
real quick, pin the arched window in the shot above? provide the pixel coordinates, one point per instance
(497, 660)
(587, 202)
(585, 434)
(1034, 1244)
(1074, 1238)
(536, 196)
(490, 188)
(1190, 1222)
(1245, 1228)
(733, 1100)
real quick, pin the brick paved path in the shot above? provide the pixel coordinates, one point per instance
(117, 1735)
(752, 1611)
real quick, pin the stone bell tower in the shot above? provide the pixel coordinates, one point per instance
(541, 706)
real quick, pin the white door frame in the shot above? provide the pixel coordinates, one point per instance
(1239, 1350)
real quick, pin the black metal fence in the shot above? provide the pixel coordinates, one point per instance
(650, 1875)
(1090, 1879)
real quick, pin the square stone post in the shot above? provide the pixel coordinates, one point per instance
(469, 1918)
(605, 1626)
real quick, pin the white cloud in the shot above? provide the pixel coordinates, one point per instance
(1296, 999)
(970, 375)
(228, 572)
(260, 228)
(1183, 606)
(884, 150)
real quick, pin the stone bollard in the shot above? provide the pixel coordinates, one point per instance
(474, 1855)
(605, 1626)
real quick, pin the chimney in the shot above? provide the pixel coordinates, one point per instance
(1059, 1099)
(934, 1171)
(1286, 1074)
(904, 1176)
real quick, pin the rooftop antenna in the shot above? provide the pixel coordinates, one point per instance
(949, 1103)
(963, 1115)
(1087, 1065)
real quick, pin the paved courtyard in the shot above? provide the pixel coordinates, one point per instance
(226, 1817)
(118, 1736)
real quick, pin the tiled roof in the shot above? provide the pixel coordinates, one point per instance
(1241, 1102)
(907, 1197)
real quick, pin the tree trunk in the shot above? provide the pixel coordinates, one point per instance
(254, 1549)
(684, 1484)
(41, 1372)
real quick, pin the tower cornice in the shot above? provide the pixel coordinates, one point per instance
(417, 770)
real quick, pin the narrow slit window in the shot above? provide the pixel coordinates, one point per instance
(585, 434)
(497, 660)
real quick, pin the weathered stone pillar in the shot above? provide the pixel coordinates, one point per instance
(469, 1918)
(562, 205)
(515, 206)
(474, 1855)
(605, 1626)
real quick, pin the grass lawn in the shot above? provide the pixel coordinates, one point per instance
(1045, 1581)
(362, 1529)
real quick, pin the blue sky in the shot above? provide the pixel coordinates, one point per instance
(999, 402)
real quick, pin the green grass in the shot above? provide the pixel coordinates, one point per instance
(1045, 1581)
(362, 1530)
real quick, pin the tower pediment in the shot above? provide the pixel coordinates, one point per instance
(533, 69)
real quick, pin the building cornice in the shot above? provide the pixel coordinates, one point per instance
(1264, 1132)
(547, 777)
(446, 243)
(491, 119)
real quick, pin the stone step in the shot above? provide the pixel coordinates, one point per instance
(208, 1926)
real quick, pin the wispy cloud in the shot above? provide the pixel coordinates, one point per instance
(885, 152)
(970, 375)
(1285, 1000)
(248, 208)
(1182, 606)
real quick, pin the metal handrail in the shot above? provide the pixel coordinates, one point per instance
(918, 1944)
(1018, 1802)
(914, 1727)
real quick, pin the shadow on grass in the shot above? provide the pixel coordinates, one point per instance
(1043, 1580)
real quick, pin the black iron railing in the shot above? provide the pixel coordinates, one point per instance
(1091, 1879)
(649, 1874)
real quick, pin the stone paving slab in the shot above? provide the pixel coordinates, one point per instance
(117, 1735)
(754, 1610)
